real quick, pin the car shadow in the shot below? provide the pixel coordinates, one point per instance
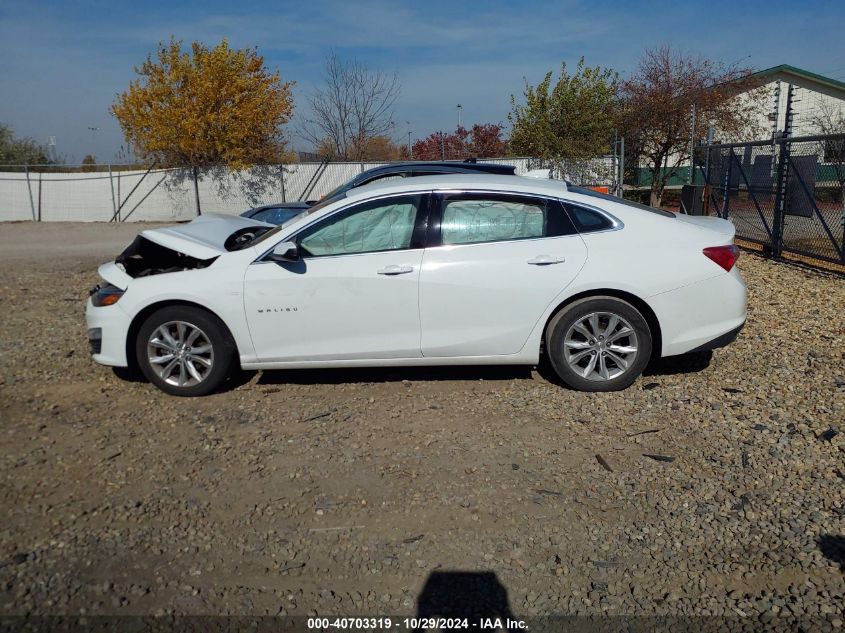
(688, 363)
(237, 378)
(832, 547)
(336, 376)
(685, 364)
(470, 595)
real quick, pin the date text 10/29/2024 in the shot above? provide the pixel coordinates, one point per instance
(364, 624)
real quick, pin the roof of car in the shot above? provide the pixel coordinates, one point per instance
(517, 184)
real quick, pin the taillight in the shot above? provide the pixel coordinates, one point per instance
(725, 256)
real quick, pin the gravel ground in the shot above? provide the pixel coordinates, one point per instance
(340, 492)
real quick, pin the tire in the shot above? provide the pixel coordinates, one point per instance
(184, 351)
(579, 352)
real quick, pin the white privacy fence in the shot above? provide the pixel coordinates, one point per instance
(155, 196)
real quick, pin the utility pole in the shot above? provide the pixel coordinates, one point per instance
(408, 123)
(460, 107)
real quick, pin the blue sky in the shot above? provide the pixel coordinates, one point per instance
(63, 62)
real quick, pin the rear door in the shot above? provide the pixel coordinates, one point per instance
(493, 265)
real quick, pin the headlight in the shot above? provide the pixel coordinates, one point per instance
(105, 295)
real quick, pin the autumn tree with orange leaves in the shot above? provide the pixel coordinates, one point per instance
(206, 107)
(211, 109)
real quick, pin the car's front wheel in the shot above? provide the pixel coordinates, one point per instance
(599, 344)
(184, 351)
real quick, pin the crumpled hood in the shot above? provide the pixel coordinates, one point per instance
(202, 238)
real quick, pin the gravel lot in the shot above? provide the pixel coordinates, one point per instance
(340, 492)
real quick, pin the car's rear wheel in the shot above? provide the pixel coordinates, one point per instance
(599, 344)
(184, 351)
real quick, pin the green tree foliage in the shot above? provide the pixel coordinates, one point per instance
(568, 121)
(21, 151)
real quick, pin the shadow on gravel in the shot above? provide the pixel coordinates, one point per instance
(237, 378)
(464, 594)
(683, 364)
(391, 374)
(833, 548)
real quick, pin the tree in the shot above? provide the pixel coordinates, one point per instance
(89, 163)
(354, 106)
(484, 140)
(209, 108)
(570, 121)
(376, 148)
(829, 118)
(21, 151)
(487, 141)
(656, 103)
(442, 146)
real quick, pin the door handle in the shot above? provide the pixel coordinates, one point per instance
(546, 260)
(395, 269)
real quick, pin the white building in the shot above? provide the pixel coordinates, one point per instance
(818, 102)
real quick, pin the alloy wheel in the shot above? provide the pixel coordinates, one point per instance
(180, 353)
(600, 346)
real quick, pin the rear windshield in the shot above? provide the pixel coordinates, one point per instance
(305, 212)
(628, 203)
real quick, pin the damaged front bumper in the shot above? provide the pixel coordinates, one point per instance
(108, 327)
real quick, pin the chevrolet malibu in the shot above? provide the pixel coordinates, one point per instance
(439, 270)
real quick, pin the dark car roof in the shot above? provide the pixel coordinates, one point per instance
(422, 166)
(451, 166)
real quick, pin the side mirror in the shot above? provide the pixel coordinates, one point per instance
(285, 252)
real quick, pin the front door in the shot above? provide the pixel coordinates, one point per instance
(354, 293)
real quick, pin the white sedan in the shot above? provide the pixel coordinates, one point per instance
(441, 270)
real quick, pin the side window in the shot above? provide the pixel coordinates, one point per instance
(492, 218)
(587, 220)
(379, 225)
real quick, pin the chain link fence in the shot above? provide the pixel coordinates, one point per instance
(121, 193)
(788, 195)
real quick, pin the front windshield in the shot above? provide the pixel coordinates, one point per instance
(323, 203)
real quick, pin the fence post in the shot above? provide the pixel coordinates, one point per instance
(780, 198)
(726, 200)
(283, 184)
(113, 203)
(196, 191)
(39, 196)
(29, 189)
(621, 166)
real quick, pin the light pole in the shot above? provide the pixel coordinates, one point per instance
(94, 131)
(460, 107)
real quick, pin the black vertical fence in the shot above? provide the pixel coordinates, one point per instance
(788, 195)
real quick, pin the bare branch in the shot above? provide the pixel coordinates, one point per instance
(354, 106)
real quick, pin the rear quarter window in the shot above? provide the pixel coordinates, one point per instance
(587, 220)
